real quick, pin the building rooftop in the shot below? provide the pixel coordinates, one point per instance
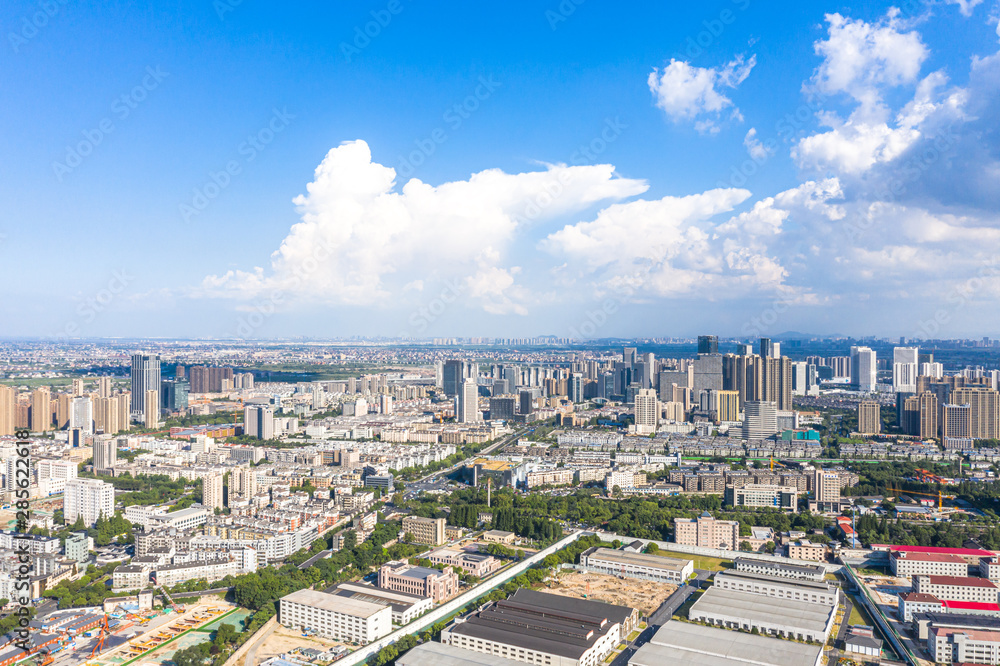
(971, 606)
(332, 602)
(759, 608)
(377, 595)
(684, 644)
(959, 581)
(438, 654)
(961, 552)
(777, 580)
(548, 623)
(919, 598)
(926, 557)
(801, 569)
(638, 559)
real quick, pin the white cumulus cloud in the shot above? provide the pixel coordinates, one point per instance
(687, 92)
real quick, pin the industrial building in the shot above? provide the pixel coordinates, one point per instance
(927, 564)
(418, 581)
(742, 610)
(336, 617)
(405, 607)
(775, 568)
(439, 654)
(636, 565)
(685, 644)
(964, 646)
(957, 588)
(779, 588)
(541, 628)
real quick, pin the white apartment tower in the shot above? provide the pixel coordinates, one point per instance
(904, 369)
(211, 492)
(88, 498)
(864, 368)
(647, 411)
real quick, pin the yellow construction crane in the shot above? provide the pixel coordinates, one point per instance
(896, 492)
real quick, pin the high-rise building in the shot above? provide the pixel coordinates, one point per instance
(765, 348)
(145, 378)
(243, 482)
(89, 498)
(64, 410)
(956, 421)
(77, 387)
(8, 410)
(104, 387)
(211, 492)
(467, 403)
(151, 410)
(576, 387)
(725, 405)
(208, 379)
(174, 394)
(760, 419)
(503, 407)
(800, 383)
(425, 530)
(984, 410)
(258, 421)
(826, 490)
(869, 418)
(41, 410)
(864, 369)
(105, 454)
(455, 372)
(920, 415)
(708, 344)
(629, 356)
(707, 374)
(744, 349)
(526, 401)
(904, 369)
(647, 411)
(82, 415)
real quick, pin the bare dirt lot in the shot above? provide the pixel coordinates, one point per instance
(642, 594)
(285, 640)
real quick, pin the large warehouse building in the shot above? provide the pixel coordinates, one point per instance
(439, 654)
(780, 588)
(636, 565)
(816, 572)
(781, 617)
(340, 618)
(546, 629)
(684, 644)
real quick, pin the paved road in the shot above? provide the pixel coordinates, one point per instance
(315, 558)
(448, 608)
(252, 652)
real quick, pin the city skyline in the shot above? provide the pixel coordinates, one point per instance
(229, 171)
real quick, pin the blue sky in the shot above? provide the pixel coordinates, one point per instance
(699, 206)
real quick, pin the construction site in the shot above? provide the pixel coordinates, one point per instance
(644, 595)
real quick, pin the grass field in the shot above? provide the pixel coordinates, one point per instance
(706, 563)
